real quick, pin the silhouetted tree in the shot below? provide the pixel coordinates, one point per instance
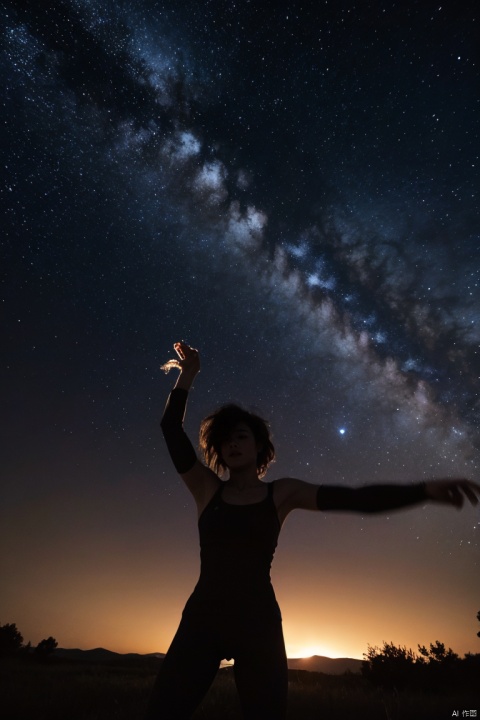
(478, 618)
(45, 648)
(434, 669)
(438, 654)
(10, 640)
(390, 667)
(442, 667)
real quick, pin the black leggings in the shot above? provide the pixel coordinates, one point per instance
(193, 659)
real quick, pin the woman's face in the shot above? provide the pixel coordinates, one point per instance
(240, 448)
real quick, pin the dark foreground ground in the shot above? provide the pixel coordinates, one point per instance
(66, 690)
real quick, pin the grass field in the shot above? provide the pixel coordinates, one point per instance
(119, 691)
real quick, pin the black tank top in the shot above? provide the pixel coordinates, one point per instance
(237, 544)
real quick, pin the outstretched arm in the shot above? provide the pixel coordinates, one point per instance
(371, 498)
(296, 494)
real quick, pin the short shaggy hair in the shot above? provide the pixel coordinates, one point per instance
(216, 428)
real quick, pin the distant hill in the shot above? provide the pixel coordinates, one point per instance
(330, 666)
(317, 663)
(100, 655)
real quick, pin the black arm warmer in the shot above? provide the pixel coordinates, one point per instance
(179, 446)
(369, 499)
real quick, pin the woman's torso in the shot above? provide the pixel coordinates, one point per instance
(237, 545)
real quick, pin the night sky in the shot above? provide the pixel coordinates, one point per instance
(292, 189)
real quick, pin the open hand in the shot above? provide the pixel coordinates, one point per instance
(188, 360)
(453, 492)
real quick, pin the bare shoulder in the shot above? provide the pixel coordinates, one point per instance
(285, 487)
(202, 483)
(291, 494)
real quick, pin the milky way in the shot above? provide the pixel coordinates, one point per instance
(293, 190)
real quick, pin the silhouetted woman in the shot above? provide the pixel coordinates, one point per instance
(232, 612)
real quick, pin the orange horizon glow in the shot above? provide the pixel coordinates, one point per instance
(91, 594)
(116, 631)
(124, 589)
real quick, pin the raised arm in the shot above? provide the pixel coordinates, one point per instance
(296, 494)
(179, 446)
(200, 480)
